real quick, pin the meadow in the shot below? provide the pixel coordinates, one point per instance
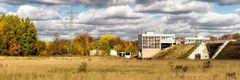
(110, 68)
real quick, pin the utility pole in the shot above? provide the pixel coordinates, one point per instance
(71, 32)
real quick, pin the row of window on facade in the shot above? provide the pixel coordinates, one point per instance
(152, 40)
(151, 45)
(157, 37)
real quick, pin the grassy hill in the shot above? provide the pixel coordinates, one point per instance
(177, 51)
(231, 51)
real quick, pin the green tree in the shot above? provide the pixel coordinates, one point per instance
(17, 36)
(27, 37)
(13, 25)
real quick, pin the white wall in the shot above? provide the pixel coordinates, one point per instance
(148, 53)
(202, 49)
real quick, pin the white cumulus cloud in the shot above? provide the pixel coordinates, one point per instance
(35, 13)
(173, 7)
(109, 16)
(2, 10)
(237, 10)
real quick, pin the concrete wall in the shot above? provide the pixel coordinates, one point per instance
(202, 49)
(148, 53)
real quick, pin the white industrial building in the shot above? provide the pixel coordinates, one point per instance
(151, 43)
(197, 39)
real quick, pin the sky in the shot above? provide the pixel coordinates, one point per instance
(128, 18)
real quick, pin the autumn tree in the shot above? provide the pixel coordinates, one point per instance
(17, 36)
(58, 46)
(130, 46)
(235, 36)
(3, 35)
(82, 44)
(108, 42)
(40, 47)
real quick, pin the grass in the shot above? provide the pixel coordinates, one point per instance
(189, 52)
(109, 68)
(231, 51)
(177, 51)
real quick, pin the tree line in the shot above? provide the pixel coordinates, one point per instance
(18, 37)
(83, 43)
(235, 36)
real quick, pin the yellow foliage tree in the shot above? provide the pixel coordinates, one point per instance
(130, 46)
(106, 43)
(14, 48)
(82, 44)
(118, 47)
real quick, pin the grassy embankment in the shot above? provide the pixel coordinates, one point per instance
(231, 51)
(108, 68)
(177, 52)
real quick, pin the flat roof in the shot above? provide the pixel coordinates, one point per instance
(154, 34)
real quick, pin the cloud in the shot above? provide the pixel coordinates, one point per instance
(35, 13)
(223, 2)
(119, 18)
(219, 20)
(115, 15)
(86, 3)
(128, 23)
(210, 22)
(2, 10)
(172, 6)
(237, 10)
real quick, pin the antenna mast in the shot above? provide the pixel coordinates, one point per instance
(70, 33)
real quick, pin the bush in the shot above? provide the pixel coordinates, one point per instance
(83, 68)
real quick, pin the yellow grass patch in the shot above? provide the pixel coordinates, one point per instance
(109, 68)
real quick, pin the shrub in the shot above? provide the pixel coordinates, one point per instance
(83, 68)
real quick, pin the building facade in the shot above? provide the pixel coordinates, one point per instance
(151, 43)
(197, 39)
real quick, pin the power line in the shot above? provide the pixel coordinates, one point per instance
(71, 33)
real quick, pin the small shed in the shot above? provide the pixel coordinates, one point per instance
(95, 52)
(113, 53)
(125, 54)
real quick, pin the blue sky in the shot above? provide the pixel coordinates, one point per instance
(225, 8)
(127, 18)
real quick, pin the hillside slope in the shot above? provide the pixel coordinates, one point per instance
(177, 51)
(231, 51)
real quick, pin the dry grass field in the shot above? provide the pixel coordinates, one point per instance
(108, 68)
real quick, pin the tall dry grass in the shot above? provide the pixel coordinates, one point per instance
(108, 68)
